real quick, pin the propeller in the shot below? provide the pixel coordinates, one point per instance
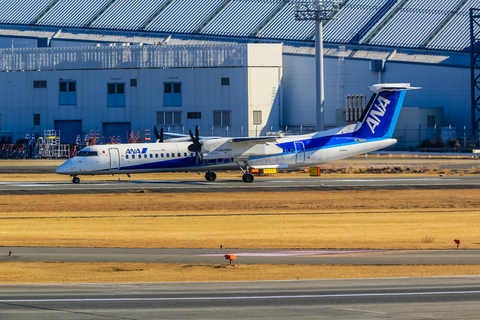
(159, 136)
(196, 146)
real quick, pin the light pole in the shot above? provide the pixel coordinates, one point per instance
(318, 11)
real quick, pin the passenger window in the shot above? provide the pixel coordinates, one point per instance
(151, 155)
(162, 155)
(185, 154)
(168, 155)
(179, 155)
(156, 155)
(126, 156)
(173, 155)
(145, 156)
(133, 156)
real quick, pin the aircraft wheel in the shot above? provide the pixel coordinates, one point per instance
(210, 176)
(248, 178)
(76, 180)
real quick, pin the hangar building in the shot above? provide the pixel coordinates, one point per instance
(233, 67)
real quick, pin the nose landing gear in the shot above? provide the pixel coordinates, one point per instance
(75, 179)
(210, 176)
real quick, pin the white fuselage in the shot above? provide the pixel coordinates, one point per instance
(175, 157)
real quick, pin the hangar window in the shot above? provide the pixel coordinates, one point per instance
(222, 118)
(194, 115)
(39, 84)
(257, 117)
(430, 121)
(225, 81)
(133, 82)
(68, 93)
(169, 118)
(116, 95)
(172, 94)
(36, 119)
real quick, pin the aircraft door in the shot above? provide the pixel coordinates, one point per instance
(299, 152)
(114, 159)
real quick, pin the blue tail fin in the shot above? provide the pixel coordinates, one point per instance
(381, 114)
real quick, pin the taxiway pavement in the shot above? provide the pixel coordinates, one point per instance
(259, 185)
(244, 256)
(402, 298)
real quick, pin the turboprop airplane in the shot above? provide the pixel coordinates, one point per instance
(191, 152)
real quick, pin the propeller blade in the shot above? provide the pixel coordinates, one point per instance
(191, 136)
(196, 146)
(158, 135)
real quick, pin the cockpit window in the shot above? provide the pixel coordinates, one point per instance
(87, 154)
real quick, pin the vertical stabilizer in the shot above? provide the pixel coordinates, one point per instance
(381, 114)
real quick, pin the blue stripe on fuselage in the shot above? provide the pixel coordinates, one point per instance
(174, 163)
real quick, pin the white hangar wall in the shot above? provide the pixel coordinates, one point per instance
(223, 85)
(446, 87)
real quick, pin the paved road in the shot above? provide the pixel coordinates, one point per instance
(260, 185)
(244, 256)
(404, 298)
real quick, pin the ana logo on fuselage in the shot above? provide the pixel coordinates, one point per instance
(136, 151)
(378, 110)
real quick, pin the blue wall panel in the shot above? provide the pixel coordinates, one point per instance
(116, 129)
(69, 130)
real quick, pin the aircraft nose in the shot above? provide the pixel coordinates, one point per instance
(65, 168)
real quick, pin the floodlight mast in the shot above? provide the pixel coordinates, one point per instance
(318, 11)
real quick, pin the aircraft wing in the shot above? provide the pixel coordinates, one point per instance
(254, 140)
(178, 137)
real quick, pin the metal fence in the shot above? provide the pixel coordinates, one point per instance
(47, 144)
(123, 57)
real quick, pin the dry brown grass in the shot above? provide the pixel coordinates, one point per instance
(340, 219)
(244, 203)
(44, 272)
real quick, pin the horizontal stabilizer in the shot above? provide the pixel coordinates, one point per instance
(392, 87)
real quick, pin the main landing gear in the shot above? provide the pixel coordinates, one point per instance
(247, 177)
(210, 176)
(75, 179)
